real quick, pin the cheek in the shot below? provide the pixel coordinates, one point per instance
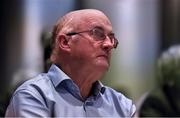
(85, 49)
(87, 52)
(83, 53)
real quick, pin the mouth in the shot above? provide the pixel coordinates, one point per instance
(104, 56)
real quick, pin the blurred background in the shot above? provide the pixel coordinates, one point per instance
(144, 28)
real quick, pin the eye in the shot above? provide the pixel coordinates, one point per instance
(99, 34)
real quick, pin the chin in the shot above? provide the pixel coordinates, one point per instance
(103, 65)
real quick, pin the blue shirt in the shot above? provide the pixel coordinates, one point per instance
(54, 94)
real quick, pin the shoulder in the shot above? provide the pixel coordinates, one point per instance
(115, 94)
(121, 101)
(38, 85)
(32, 96)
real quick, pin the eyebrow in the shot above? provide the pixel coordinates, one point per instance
(100, 27)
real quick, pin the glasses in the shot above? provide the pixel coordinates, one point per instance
(99, 35)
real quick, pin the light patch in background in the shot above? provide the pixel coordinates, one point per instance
(38, 16)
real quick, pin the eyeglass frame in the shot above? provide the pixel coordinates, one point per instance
(98, 38)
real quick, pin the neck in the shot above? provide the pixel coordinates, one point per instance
(83, 77)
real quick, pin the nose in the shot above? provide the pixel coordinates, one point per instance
(107, 44)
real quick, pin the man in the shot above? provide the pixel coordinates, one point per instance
(82, 44)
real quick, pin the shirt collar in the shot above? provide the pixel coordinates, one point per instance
(97, 88)
(57, 75)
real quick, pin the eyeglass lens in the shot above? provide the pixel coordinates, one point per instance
(100, 35)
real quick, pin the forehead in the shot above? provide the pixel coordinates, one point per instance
(89, 20)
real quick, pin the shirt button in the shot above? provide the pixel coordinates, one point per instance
(89, 103)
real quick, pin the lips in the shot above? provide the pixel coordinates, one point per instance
(103, 55)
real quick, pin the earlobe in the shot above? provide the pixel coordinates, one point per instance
(63, 43)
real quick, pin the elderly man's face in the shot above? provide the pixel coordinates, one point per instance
(86, 48)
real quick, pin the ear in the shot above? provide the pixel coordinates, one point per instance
(63, 43)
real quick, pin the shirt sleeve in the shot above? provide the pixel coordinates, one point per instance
(133, 110)
(25, 103)
(127, 106)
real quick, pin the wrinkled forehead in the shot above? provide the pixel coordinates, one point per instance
(91, 18)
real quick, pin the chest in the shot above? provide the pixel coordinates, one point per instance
(66, 105)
